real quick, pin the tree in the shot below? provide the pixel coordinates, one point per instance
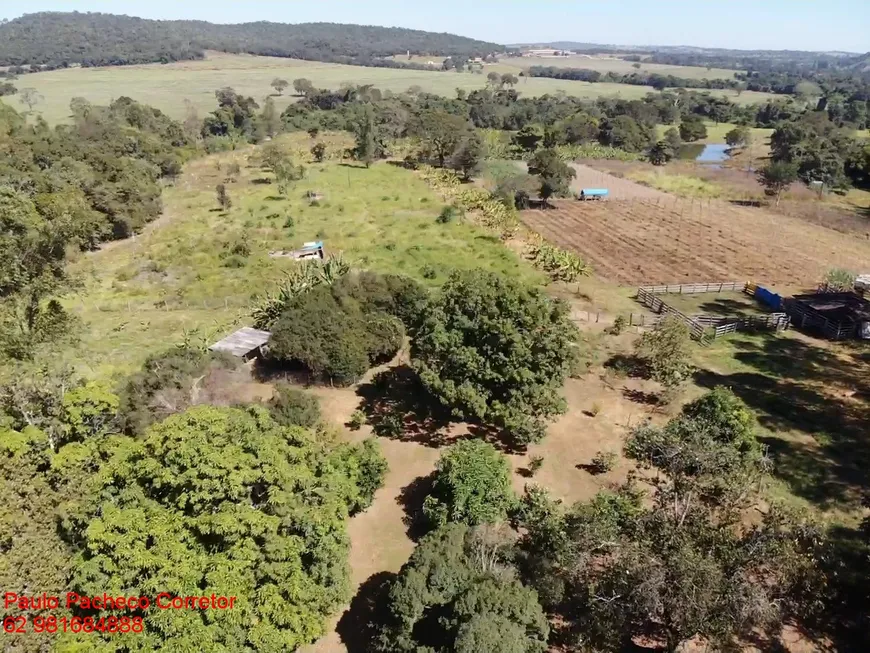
(692, 128)
(494, 350)
(270, 118)
(776, 177)
(672, 138)
(303, 86)
(29, 96)
(625, 133)
(472, 486)
(201, 487)
(738, 137)
(528, 137)
(286, 173)
(32, 274)
(280, 84)
(660, 153)
(580, 128)
(223, 197)
(494, 79)
(439, 132)
(507, 79)
(555, 174)
(468, 156)
(337, 341)
(666, 351)
(458, 592)
(368, 145)
(318, 151)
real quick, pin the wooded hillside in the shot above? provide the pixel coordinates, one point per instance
(59, 39)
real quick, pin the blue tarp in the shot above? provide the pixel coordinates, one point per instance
(770, 298)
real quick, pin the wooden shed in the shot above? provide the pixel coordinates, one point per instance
(246, 343)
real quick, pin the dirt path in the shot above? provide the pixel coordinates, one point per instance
(379, 541)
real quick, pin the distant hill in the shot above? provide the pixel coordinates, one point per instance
(55, 39)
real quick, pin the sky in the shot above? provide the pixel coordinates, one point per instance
(842, 25)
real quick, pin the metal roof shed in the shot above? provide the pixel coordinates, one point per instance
(244, 343)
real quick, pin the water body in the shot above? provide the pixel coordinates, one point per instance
(713, 153)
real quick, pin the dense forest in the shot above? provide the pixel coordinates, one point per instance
(92, 39)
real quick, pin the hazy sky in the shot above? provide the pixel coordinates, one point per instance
(745, 24)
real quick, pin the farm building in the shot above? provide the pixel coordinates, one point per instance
(246, 343)
(837, 315)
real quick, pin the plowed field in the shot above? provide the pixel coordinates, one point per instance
(656, 240)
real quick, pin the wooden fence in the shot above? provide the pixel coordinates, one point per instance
(705, 328)
(656, 305)
(693, 288)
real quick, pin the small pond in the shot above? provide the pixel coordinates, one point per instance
(710, 154)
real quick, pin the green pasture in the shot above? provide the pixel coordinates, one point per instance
(180, 278)
(171, 87)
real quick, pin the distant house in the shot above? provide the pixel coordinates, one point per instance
(246, 343)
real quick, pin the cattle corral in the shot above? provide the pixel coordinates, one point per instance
(664, 239)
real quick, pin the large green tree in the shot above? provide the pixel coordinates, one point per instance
(497, 351)
(439, 132)
(221, 501)
(458, 592)
(555, 174)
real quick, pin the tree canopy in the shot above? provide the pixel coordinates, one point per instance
(494, 350)
(223, 501)
(472, 486)
(458, 592)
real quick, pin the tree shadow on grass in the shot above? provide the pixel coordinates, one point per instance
(357, 627)
(727, 307)
(398, 407)
(793, 389)
(411, 499)
(396, 395)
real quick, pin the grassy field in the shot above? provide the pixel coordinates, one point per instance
(603, 64)
(169, 87)
(716, 133)
(148, 293)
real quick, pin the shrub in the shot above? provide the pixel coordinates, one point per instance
(618, 326)
(357, 420)
(666, 351)
(448, 214)
(391, 426)
(535, 464)
(472, 486)
(839, 280)
(290, 406)
(428, 272)
(603, 462)
(596, 408)
(366, 467)
(315, 332)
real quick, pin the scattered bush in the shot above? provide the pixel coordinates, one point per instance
(619, 325)
(472, 486)
(357, 420)
(603, 462)
(290, 406)
(839, 280)
(560, 264)
(391, 425)
(535, 464)
(666, 351)
(448, 214)
(596, 408)
(428, 272)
